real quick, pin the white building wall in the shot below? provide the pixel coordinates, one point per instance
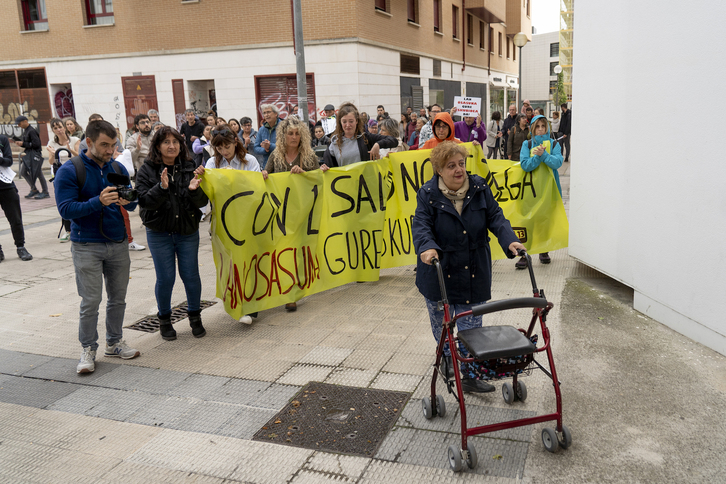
(649, 207)
(536, 66)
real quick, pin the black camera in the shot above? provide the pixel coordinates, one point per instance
(122, 184)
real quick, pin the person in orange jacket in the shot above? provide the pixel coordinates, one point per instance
(443, 131)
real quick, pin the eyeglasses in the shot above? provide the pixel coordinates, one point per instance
(223, 132)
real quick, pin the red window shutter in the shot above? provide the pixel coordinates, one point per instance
(381, 5)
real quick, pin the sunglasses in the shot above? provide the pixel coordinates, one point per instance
(223, 132)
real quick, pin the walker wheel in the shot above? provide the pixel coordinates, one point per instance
(508, 393)
(549, 439)
(454, 458)
(440, 406)
(426, 407)
(521, 390)
(472, 460)
(566, 440)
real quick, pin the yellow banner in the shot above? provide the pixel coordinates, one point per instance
(291, 236)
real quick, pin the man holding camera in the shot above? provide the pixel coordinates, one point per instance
(99, 247)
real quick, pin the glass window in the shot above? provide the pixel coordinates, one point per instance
(555, 49)
(381, 5)
(412, 11)
(437, 15)
(34, 16)
(482, 34)
(100, 12)
(32, 79)
(552, 67)
(455, 21)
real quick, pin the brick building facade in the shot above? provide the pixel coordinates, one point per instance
(120, 58)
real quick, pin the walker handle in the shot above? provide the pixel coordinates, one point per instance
(442, 284)
(523, 253)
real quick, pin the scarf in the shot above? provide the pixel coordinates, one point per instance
(456, 196)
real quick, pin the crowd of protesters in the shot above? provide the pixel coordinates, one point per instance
(167, 164)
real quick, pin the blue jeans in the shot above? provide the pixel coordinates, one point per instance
(437, 322)
(167, 249)
(94, 263)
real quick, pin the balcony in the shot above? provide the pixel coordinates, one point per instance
(517, 20)
(490, 11)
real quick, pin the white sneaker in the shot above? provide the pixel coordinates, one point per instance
(135, 246)
(64, 237)
(88, 361)
(246, 319)
(122, 350)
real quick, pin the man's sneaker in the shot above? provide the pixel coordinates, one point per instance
(544, 258)
(246, 319)
(64, 236)
(42, 195)
(24, 254)
(32, 193)
(122, 350)
(521, 263)
(135, 246)
(88, 361)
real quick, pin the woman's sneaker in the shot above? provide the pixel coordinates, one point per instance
(544, 258)
(88, 361)
(246, 319)
(135, 246)
(121, 350)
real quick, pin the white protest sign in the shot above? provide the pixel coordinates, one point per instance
(467, 106)
(6, 174)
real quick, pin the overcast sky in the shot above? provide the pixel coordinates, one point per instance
(546, 15)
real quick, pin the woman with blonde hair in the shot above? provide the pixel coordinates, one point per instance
(292, 153)
(350, 143)
(388, 127)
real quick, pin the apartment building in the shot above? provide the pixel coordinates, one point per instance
(567, 40)
(539, 80)
(122, 58)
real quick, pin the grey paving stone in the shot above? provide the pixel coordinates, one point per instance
(241, 392)
(64, 369)
(32, 392)
(198, 386)
(163, 411)
(16, 363)
(246, 423)
(207, 417)
(424, 448)
(119, 404)
(148, 380)
(275, 396)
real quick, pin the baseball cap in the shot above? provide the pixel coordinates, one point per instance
(20, 119)
(329, 107)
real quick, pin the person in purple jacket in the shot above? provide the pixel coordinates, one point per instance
(470, 130)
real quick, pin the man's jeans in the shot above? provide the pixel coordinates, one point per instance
(94, 263)
(166, 249)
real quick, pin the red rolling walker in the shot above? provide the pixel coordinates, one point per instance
(503, 352)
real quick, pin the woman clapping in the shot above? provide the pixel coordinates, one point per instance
(170, 201)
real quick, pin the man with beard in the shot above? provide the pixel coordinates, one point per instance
(86, 197)
(508, 125)
(139, 143)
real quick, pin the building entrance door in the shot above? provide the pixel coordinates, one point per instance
(139, 96)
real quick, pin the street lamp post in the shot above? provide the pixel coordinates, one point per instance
(557, 69)
(520, 40)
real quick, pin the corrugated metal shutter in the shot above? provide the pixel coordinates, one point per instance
(282, 92)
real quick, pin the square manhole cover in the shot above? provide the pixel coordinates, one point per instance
(335, 418)
(150, 324)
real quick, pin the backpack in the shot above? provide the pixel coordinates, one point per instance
(81, 170)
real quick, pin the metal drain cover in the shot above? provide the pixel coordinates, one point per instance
(150, 324)
(335, 418)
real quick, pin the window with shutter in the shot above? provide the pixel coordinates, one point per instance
(281, 90)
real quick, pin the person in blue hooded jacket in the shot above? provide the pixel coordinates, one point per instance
(267, 136)
(535, 151)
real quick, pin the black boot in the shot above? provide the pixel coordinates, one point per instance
(195, 321)
(2, 255)
(470, 385)
(24, 254)
(165, 327)
(447, 366)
